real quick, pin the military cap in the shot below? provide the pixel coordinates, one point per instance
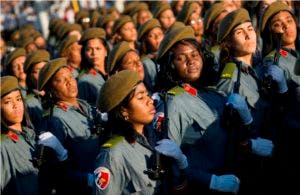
(81, 15)
(129, 7)
(92, 33)
(173, 36)
(68, 28)
(24, 41)
(211, 14)
(232, 20)
(102, 20)
(273, 9)
(94, 17)
(36, 57)
(174, 26)
(116, 54)
(14, 54)
(120, 22)
(49, 70)
(139, 6)
(8, 84)
(66, 43)
(57, 26)
(186, 12)
(147, 26)
(116, 89)
(159, 9)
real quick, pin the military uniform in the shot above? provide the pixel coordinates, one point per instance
(89, 84)
(125, 163)
(74, 128)
(34, 109)
(18, 175)
(194, 124)
(151, 70)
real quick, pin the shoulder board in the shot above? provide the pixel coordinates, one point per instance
(176, 91)
(211, 87)
(271, 54)
(113, 141)
(82, 72)
(3, 136)
(28, 96)
(144, 56)
(215, 49)
(228, 70)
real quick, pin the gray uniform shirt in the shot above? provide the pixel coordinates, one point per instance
(89, 85)
(194, 124)
(125, 164)
(18, 175)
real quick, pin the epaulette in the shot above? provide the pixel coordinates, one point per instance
(81, 73)
(176, 91)
(215, 49)
(113, 141)
(143, 57)
(228, 70)
(271, 54)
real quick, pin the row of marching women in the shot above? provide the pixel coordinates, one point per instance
(181, 97)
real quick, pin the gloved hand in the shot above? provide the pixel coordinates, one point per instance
(225, 183)
(170, 148)
(48, 139)
(262, 147)
(277, 75)
(239, 103)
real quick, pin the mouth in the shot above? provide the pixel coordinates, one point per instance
(153, 111)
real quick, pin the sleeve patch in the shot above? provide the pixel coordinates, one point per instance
(228, 71)
(102, 177)
(176, 91)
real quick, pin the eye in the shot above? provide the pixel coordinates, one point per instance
(180, 57)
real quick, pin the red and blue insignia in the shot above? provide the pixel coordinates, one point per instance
(102, 177)
(62, 106)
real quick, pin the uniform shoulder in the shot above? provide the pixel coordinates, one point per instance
(112, 142)
(271, 54)
(175, 91)
(228, 70)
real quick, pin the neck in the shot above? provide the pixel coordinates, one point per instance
(100, 68)
(247, 59)
(139, 129)
(132, 45)
(74, 64)
(72, 102)
(290, 46)
(16, 126)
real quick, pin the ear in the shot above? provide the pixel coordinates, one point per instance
(124, 112)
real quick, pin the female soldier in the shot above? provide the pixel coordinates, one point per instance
(279, 33)
(75, 123)
(18, 143)
(163, 12)
(123, 165)
(150, 35)
(123, 57)
(93, 54)
(240, 75)
(125, 30)
(15, 67)
(193, 113)
(32, 66)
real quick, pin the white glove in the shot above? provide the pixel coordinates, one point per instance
(225, 183)
(48, 139)
(262, 147)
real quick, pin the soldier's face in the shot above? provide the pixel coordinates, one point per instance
(64, 85)
(143, 16)
(35, 72)
(95, 52)
(167, 18)
(12, 108)
(74, 54)
(140, 110)
(283, 22)
(244, 39)
(128, 32)
(188, 62)
(18, 66)
(154, 38)
(132, 61)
